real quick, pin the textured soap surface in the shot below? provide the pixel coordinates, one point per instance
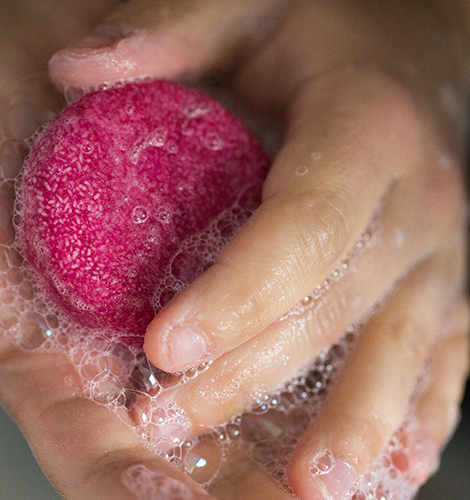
(116, 184)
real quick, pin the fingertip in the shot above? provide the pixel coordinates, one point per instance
(321, 476)
(424, 458)
(109, 53)
(177, 348)
(153, 348)
(134, 44)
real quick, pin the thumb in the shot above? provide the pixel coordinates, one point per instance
(162, 39)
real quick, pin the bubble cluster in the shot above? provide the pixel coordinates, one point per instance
(154, 485)
(268, 432)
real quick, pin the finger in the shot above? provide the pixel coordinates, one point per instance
(438, 407)
(370, 137)
(321, 318)
(161, 39)
(370, 399)
(435, 414)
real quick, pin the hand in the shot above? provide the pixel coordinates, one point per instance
(355, 106)
(367, 148)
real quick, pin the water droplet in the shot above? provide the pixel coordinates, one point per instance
(104, 388)
(87, 147)
(159, 137)
(175, 433)
(301, 171)
(213, 141)
(139, 215)
(163, 215)
(196, 110)
(8, 317)
(322, 463)
(233, 431)
(73, 93)
(315, 156)
(153, 234)
(187, 128)
(172, 147)
(269, 425)
(194, 462)
(33, 331)
(306, 300)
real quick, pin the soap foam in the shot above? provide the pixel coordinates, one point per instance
(116, 375)
(154, 485)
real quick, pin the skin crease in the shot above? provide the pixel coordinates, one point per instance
(381, 137)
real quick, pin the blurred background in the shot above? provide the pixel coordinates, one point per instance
(22, 479)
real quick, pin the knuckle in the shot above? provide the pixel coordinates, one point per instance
(414, 342)
(322, 222)
(327, 317)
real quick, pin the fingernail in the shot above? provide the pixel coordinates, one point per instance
(333, 478)
(424, 460)
(143, 482)
(186, 346)
(100, 40)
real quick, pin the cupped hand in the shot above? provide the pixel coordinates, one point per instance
(369, 99)
(366, 186)
(371, 130)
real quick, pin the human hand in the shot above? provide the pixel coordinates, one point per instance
(332, 95)
(372, 143)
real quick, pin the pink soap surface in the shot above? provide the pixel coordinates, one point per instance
(115, 184)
